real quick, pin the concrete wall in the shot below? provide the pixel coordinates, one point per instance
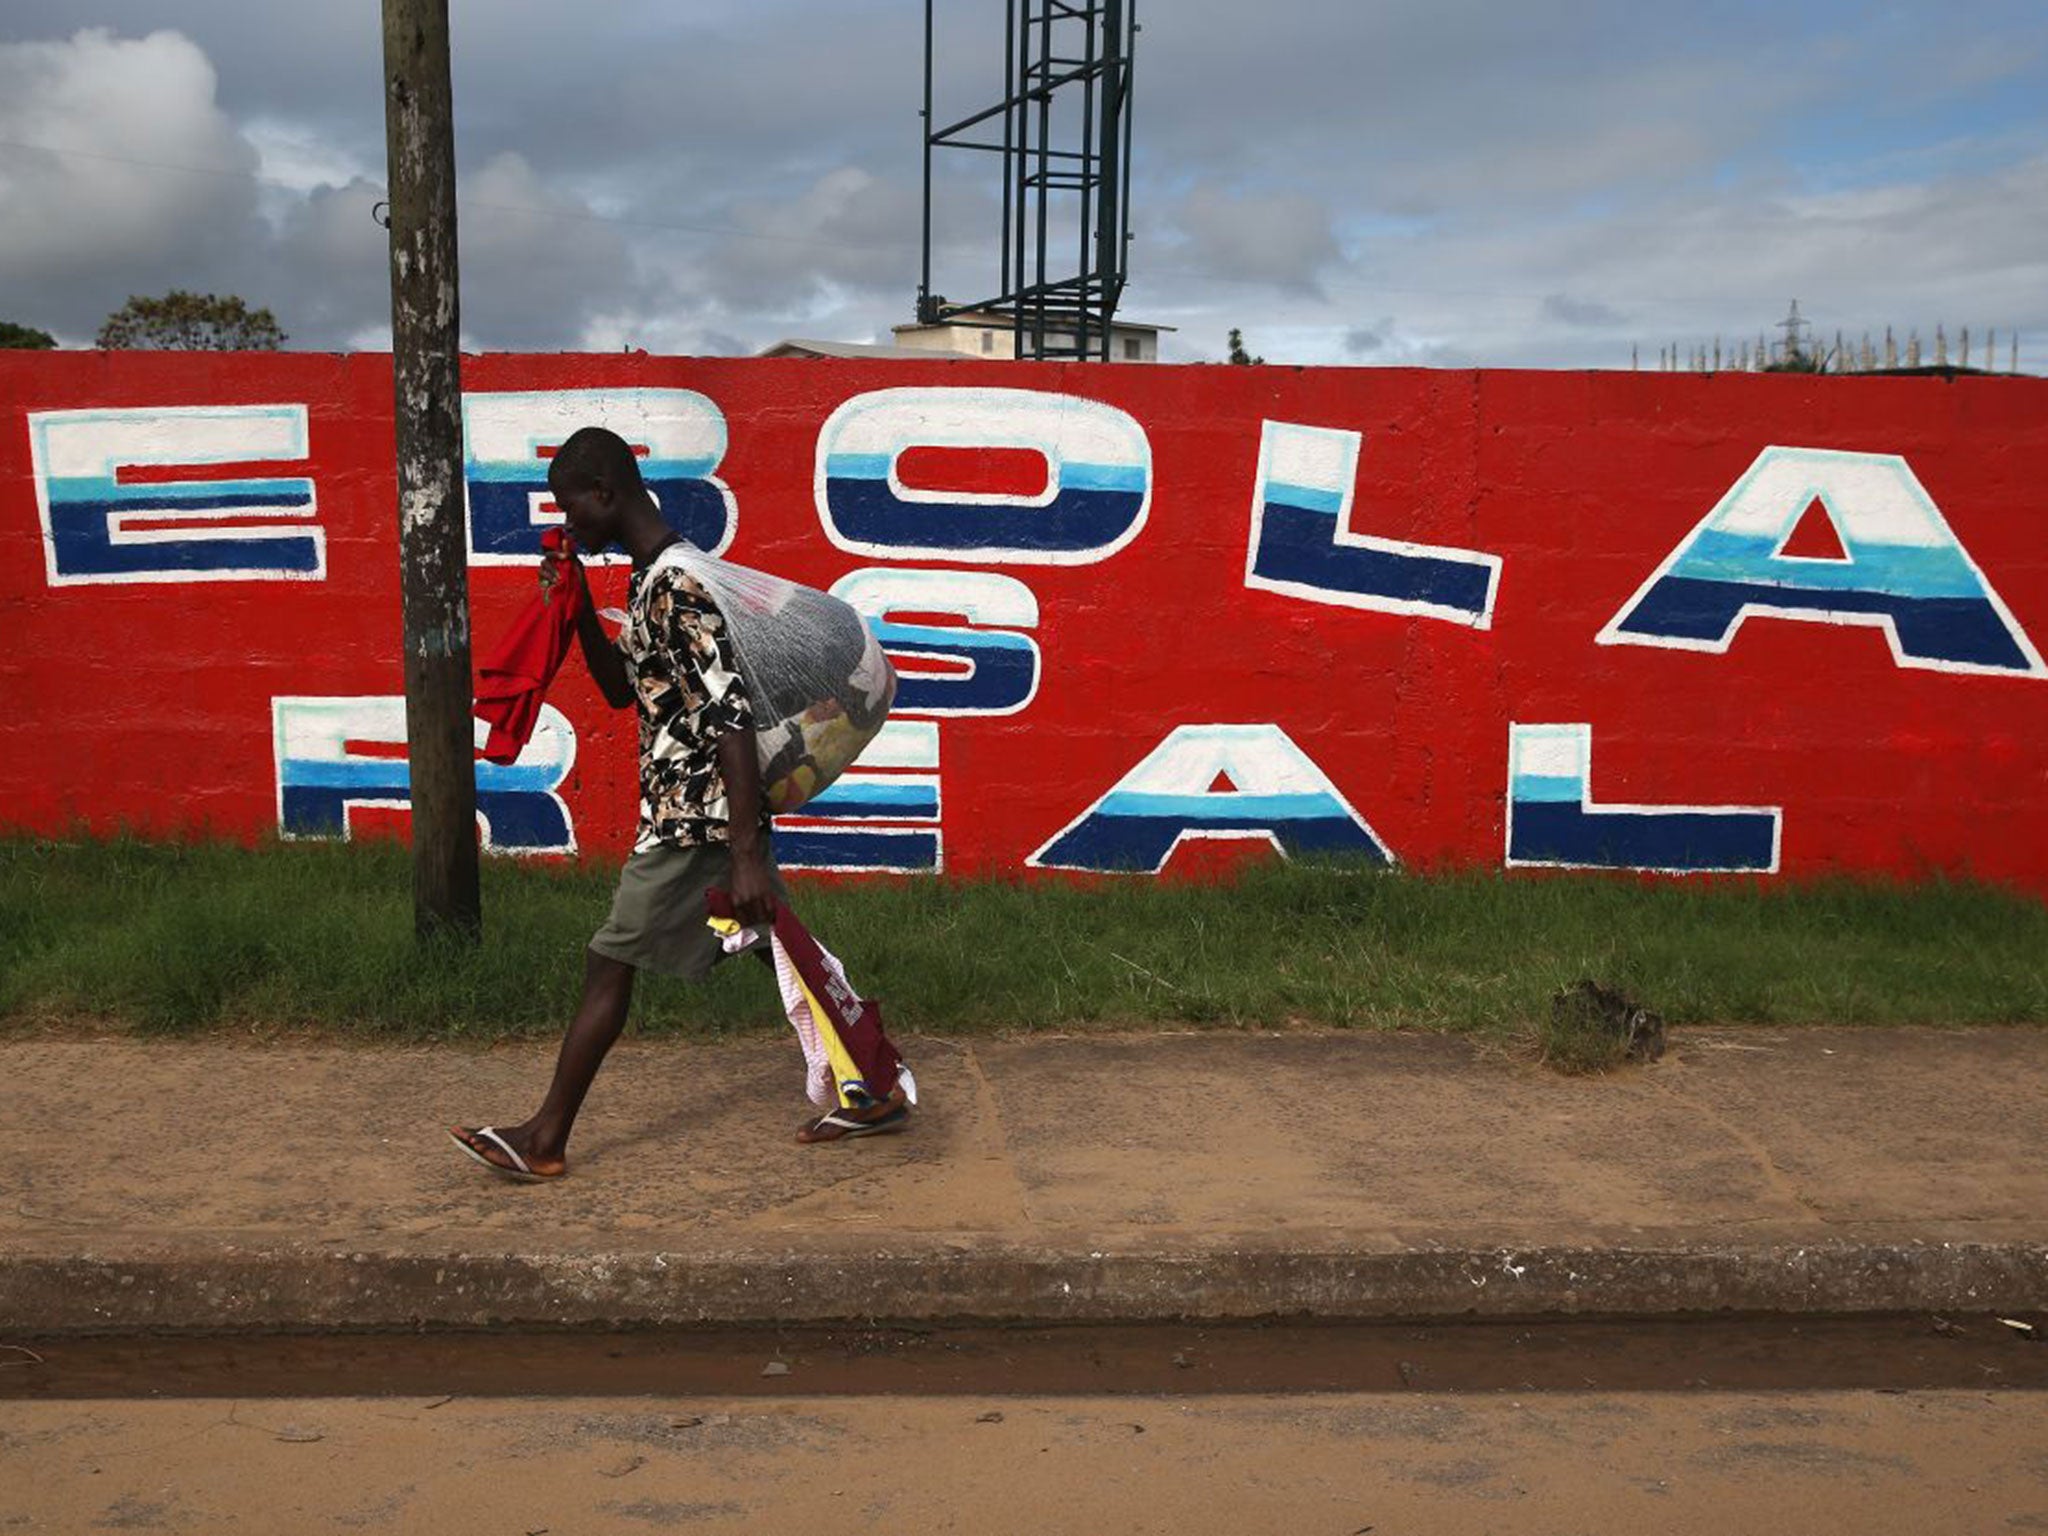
(1148, 618)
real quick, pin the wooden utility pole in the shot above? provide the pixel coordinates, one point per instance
(426, 368)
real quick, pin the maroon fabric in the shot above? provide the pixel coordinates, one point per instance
(856, 1021)
(514, 678)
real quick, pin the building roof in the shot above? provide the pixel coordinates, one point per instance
(800, 347)
(1001, 318)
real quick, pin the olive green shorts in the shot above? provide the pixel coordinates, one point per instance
(657, 921)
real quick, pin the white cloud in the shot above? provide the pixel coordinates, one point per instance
(140, 183)
(1418, 181)
(849, 230)
(1684, 269)
(1277, 239)
(135, 179)
(295, 157)
(537, 262)
(334, 249)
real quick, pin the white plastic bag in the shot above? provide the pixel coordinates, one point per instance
(820, 682)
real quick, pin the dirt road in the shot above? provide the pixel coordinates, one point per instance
(1813, 1426)
(1971, 1463)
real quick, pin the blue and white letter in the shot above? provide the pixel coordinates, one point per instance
(1274, 794)
(508, 438)
(1905, 571)
(1098, 477)
(1302, 543)
(97, 514)
(320, 779)
(882, 814)
(1553, 821)
(1001, 666)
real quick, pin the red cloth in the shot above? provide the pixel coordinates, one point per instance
(514, 678)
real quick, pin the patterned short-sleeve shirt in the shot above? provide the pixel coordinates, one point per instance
(687, 693)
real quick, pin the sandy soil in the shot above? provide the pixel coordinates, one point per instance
(1344, 1465)
(1348, 1142)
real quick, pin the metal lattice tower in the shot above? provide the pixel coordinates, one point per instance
(1795, 326)
(1065, 124)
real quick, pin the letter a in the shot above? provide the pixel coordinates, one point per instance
(1276, 794)
(1904, 570)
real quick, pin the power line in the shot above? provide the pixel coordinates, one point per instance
(587, 217)
(1341, 286)
(1336, 288)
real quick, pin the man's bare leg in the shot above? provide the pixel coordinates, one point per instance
(543, 1139)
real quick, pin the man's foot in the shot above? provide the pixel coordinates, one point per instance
(877, 1119)
(503, 1152)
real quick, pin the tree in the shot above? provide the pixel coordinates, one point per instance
(24, 337)
(191, 322)
(1237, 351)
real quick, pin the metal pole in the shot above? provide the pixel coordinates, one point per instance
(1109, 162)
(1021, 9)
(1083, 344)
(1123, 234)
(427, 396)
(1044, 170)
(1009, 139)
(924, 287)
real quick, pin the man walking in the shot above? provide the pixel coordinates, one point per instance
(703, 817)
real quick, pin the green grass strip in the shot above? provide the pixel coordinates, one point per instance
(180, 937)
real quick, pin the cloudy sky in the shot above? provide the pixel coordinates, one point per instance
(1446, 182)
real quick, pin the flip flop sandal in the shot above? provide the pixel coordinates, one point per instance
(519, 1169)
(840, 1125)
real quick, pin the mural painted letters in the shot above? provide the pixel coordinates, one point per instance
(987, 671)
(883, 814)
(1901, 568)
(1553, 819)
(1302, 542)
(678, 435)
(1110, 651)
(1096, 491)
(175, 494)
(334, 755)
(1235, 782)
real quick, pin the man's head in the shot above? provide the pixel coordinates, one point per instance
(595, 480)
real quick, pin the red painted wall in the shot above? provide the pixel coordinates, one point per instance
(148, 703)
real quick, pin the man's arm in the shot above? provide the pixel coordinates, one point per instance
(699, 652)
(607, 666)
(753, 898)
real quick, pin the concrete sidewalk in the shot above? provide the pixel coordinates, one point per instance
(224, 1185)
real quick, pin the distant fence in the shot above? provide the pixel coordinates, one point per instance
(1871, 355)
(1147, 618)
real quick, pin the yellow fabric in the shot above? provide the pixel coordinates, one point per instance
(843, 1069)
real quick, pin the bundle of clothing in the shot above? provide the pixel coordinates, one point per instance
(848, 1058)
(820, 683)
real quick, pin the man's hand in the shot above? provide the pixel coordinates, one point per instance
(557, 566)
(753, 898)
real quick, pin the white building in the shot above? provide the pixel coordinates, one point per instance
(972, 334)
(983, 333)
